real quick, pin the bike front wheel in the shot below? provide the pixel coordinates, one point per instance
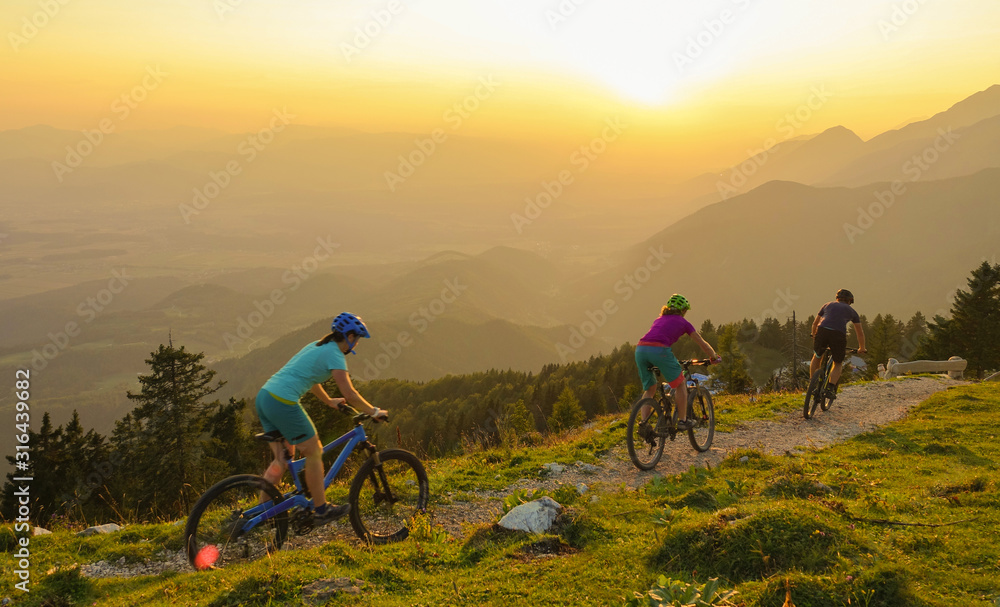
(386, 496)
(702, 412)
(645, 439)
(217, 532)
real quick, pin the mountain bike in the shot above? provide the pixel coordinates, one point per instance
(646, 437)
(816, 392)
(244, 517)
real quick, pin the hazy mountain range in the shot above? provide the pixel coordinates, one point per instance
(312, 230)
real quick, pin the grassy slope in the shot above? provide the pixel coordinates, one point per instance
(757, 524)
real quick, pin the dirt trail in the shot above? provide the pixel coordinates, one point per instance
(858, 409)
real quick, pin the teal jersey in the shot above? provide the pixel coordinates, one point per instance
(312, 365)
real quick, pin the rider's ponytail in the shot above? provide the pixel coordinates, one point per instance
(335, 336)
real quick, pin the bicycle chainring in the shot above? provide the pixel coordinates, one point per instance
(302, 522)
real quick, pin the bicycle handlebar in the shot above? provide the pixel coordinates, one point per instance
(359, 417)
(698, 362)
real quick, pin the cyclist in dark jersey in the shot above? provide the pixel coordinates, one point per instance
(830, 330)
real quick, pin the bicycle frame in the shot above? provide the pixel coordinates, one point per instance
(350, 441)
(668, 399)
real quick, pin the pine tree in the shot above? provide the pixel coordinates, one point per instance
(166, 430)
(566, 412)
(631, 394)
(973, 332)
(914, 334)
(884, 339)
(709, 334)
(733, 372)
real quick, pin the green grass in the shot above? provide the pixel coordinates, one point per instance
(813, 523)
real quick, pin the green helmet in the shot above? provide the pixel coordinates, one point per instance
(678, 302)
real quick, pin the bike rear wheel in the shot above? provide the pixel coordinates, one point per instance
(386, 497)
(645, 440)
(215, 536)
(813, 394)
(824, 400)
(702, 412)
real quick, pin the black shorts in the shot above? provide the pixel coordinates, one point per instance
(836, 341)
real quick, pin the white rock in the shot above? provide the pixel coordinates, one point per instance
(582, 488)
(554, 468)
(533, 517)
(40, 531)
(744, 459)
(587, 468)
(107, 528)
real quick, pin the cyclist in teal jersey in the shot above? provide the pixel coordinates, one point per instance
(279, 408)
(830, 330)
(654, 349)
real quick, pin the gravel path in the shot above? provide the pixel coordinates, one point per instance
(858, 409)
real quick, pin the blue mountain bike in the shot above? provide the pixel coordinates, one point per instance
(244, 517)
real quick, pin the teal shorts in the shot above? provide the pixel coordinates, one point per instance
(290, 419)
(658, 356)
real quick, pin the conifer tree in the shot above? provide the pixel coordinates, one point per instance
(166, 430)
(733, 372)
(566, 412)
(884, 340)
(914, 334)
(973, 331)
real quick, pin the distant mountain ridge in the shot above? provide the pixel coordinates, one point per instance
(837, 156)
(787, 246)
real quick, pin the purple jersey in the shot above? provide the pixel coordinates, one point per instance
(668, 329)
(836, 315)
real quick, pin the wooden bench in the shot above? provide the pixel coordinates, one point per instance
(954, 367)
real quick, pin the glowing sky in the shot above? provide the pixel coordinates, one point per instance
(706, 70)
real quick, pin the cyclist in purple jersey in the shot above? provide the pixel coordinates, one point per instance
(654, 349)
(830, 330)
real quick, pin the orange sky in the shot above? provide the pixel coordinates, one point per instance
(710, 80)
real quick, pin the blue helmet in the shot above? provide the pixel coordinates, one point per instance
(349, 323)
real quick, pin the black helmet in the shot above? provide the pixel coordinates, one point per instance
(845, 295)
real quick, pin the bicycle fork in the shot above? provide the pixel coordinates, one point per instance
(378, 478)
